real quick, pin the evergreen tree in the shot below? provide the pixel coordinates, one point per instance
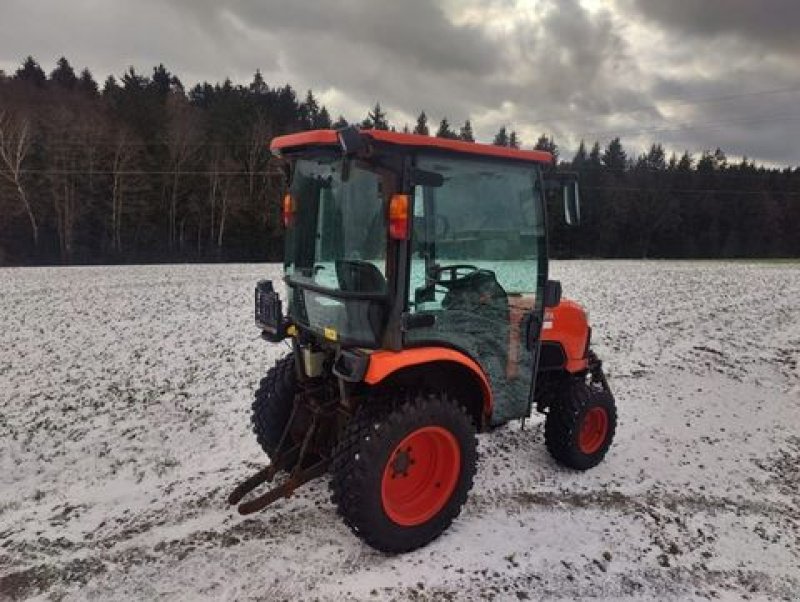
(501, 137)
(340, 123)
(655, 159)
(323, 121)
(614, 157)
(580, 159)
(444, 130)
(258, 86)
(595, 161)
(64, 75)
(285, 109)
(31, 72)
(706, 163)
(309, 111)
(202, 95)
(163, 82)
(110, 86)
(133, 82)
(673, 162)
(176, 86)
(513, 140)
(547, 144)
(376, 119)
(422, 125)
(86, 83)
(160, 81)
(466, 132)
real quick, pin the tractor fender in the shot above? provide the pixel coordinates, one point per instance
(384, 363)
(568, 325)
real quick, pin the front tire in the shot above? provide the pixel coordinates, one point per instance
(401, 475)
(273, 403)
(580, 426)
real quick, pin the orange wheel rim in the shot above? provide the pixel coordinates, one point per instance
(594, 429)
(420, 476)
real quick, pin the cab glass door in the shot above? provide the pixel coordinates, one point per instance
(479, 267)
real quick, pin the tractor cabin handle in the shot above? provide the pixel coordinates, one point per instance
(552, 293)
(532, 327)
(532, 323)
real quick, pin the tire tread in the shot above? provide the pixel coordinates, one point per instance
(353, 470)
(564, 418)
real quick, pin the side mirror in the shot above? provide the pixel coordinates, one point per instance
(572, 203)
(552, 293)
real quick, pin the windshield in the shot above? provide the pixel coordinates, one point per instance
(485, 214)
(337, 225)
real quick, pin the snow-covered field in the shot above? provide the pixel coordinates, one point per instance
(124, 409)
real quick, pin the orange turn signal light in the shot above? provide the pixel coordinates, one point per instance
(398, 217)
(288, 210)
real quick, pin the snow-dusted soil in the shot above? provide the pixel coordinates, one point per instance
(124, 409)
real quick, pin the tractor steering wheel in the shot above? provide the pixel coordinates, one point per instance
(437, 272)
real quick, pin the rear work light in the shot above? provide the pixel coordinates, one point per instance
(288, 210)
(398, 217)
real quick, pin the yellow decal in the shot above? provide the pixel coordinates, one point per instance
(291, 330)
(330, 334)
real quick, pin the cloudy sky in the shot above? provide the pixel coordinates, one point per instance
(693, 74)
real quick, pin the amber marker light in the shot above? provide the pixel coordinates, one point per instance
(398, 217)
(288, 210)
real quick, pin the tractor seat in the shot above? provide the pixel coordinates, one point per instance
(359, 276)
(479, 292)
(362, 277)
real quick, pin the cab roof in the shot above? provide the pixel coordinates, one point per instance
(330, 138)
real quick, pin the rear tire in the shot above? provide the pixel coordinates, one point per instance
(273, 403)
(580, 426)
(401, 475)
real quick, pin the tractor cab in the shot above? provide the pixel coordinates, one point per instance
(417, 296)
(397, 241)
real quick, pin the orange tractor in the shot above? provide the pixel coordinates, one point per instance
(419, 313)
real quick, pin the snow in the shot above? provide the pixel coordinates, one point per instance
(124, 408)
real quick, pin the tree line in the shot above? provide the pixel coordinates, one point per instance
(142, 170)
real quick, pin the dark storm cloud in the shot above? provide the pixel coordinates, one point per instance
(416, 32)
(558, 62)
(577, 65)
(405, 54)
(552, 66)
(770, 23)
(408, 55)
(110, 36)
(743, 56)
